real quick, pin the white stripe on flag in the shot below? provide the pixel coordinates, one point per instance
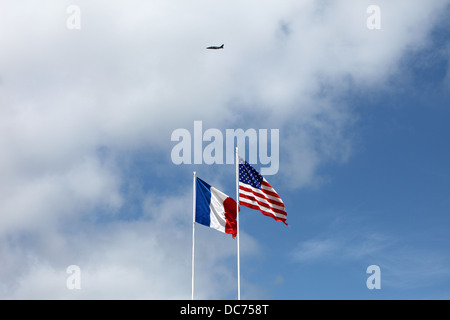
(269, 197)
(255, 205)
(257, 199)
(262, 198)
(217, 215)
(262, 193)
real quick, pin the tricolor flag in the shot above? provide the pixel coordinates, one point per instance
(256, 193)
(214, 208)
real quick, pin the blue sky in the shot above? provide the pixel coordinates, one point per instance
(86, 121)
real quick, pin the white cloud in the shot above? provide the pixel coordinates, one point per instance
(139, 259)
(336, 246)
(41, 198)
(314, 249)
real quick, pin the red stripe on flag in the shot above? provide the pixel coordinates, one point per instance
(262, 200)
(262, 204)
(230, 216)
(262, 194)
(266, 187)
(266, 213)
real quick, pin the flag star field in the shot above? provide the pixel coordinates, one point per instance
(249, 175)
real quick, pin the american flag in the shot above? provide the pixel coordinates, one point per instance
(256, 193)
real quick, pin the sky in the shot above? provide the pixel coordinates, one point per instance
(90, 96)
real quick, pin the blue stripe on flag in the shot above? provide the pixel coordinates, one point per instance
(202, 203)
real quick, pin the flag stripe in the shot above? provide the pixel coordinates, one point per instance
(255, 201)
(265, 198)
(268, 186)
(261, 199)
(269, 190)
(203, 200)
(264, 204)
(264, 212)
(261, 193)
(255, 205)
(217, 210)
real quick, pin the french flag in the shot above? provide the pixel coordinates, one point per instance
(214, 208)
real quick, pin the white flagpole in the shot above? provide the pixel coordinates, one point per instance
(193, 230)
(237, 225)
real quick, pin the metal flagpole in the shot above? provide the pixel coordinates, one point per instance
(237, 225)
(193, 230)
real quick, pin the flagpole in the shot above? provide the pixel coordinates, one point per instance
(237, 225)
(193, 230)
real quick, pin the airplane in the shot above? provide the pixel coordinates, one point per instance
(215, 47)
